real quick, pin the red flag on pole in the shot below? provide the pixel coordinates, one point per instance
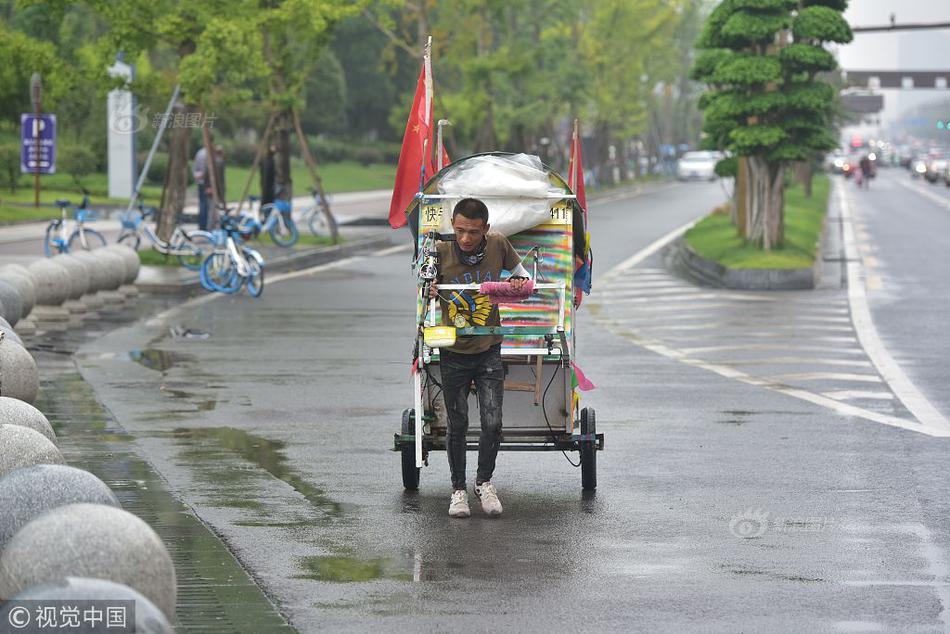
(416, 149)
(575, 170)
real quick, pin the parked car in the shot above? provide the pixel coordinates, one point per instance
(935, 169)
(698, 166)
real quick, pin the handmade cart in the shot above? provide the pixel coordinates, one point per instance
(539, 213)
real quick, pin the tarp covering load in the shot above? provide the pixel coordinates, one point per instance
(521, 190)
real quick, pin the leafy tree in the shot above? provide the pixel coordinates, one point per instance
(765, 100)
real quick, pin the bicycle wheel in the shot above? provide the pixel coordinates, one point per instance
(321, 223)
(86, 239)
(133, 240)
(255, 281)
(198, 245)
(219, 274)
(284, 231)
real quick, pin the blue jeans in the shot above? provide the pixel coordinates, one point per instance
(458, 372)
(202, 207)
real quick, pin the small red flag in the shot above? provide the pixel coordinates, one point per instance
(408, 171)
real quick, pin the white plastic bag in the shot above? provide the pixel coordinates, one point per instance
(516, 189)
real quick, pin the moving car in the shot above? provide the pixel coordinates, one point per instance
(698, 166)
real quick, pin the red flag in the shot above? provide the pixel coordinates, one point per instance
(418, 132)
(575, 171)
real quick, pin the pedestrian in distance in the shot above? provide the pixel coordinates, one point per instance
(475, 256)
(199, 170)
(866, 171)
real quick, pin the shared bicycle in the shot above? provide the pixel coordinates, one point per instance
(62, 236)
(190, 247)
(277, 222)
(232, 265)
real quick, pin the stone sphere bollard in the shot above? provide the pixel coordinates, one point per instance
(11, 306)
(130, 258)
(28, 492)
(89, 540)
(19, 377)
(51, 281)
(23, 284)
(23, 447)
(148, 618)
(98, 278)
(114, 265)
(16, 412)
(9, 333)
(78, 275)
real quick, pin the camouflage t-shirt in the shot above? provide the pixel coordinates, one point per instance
(464, 309)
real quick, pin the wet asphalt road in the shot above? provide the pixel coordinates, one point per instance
(722, 505)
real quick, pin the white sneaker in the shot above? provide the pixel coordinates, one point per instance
(489, 497)
(458, 507)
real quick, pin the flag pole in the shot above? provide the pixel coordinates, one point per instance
(427, 64)
(573, 174)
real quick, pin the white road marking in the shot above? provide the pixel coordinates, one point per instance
(649, 250)
(391, 250)
(918, 405)
(770, 346)
(928, 420)
(852, 363)
(844, 395)
(940, 200)
(844, 409)
(826, 376)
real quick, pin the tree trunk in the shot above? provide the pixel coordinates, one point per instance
(283, 181)
(766, 198)
(740, 197)
(803, 172)
(176, 179)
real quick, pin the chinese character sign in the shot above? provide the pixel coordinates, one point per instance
(43, 126)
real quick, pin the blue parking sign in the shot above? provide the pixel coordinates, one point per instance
(45, 125)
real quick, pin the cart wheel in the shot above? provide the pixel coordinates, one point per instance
(588, 450)
(410, 473)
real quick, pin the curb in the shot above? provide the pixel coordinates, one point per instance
(167, 280)
(714, 274)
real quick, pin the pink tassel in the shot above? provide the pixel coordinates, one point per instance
(583, 383)
(505, 293)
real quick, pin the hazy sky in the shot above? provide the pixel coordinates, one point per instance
(908, 50)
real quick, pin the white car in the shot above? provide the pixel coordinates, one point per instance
(698, 166)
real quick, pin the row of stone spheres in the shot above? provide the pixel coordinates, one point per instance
(63, 533)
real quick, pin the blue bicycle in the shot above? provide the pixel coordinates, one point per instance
(61, 237)
(232, 265)
(277, 222)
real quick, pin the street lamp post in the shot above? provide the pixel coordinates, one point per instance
(36, 93)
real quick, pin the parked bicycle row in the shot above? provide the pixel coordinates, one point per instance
(222, 257)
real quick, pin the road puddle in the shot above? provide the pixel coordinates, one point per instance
(159, 360)
(204, 446)
(341, 569)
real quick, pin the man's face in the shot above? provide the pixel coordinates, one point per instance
(469, 233)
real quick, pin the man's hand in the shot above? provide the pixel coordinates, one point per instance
(517, 283)
(433, 291)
